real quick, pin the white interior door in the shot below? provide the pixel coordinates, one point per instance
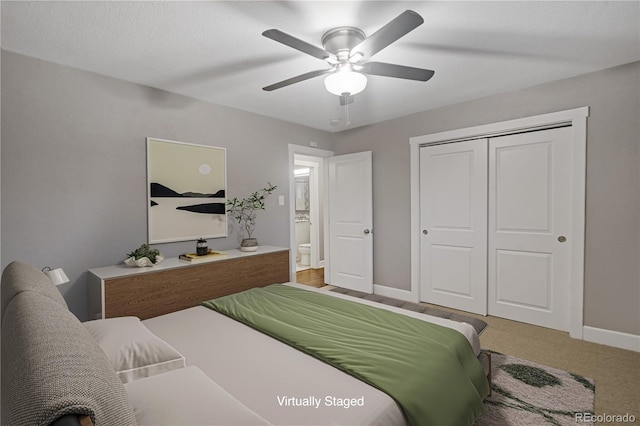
(453, 220)
(350, 222)
(529, 226)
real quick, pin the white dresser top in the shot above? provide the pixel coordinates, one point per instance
(122, 270)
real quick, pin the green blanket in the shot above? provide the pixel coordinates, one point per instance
(429, 370)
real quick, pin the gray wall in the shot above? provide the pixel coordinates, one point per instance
(73, 171)
(612, 276)
(74, 165)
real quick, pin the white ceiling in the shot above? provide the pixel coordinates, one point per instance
(214, 51)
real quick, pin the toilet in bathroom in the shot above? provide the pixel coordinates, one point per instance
(304, 250)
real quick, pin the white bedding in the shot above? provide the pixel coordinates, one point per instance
(186, 396)
(280, 383)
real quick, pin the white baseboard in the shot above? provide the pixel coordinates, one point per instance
(630, 342)
(616, 339)
(396, 293)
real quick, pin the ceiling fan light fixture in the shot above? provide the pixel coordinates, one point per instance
(345, 81)
(356, 57)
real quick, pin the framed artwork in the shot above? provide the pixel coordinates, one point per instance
(186, 191)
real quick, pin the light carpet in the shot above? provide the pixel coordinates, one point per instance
(526, 393)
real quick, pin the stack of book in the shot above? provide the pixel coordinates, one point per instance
(195, 258)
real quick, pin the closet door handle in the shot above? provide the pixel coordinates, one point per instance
(562, 238)
(425, 232)
(367, 232)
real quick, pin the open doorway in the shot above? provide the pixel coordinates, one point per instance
(306, 204)
(307, 234)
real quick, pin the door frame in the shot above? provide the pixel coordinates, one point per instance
(293, 151)
(577, 118)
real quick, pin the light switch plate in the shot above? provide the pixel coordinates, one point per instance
(281, 200)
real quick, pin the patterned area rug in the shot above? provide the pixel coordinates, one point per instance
(526, 393)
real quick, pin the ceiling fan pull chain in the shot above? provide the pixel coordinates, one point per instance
(347, 122)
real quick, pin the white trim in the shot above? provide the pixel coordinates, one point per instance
(395, 293)
(630, 342)
(578, 119)
(415, 219)
(502, 127)
(302, 150)
(578, 212)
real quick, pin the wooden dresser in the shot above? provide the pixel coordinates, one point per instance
(120, 290)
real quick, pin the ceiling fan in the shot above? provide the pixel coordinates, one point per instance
(346, 50)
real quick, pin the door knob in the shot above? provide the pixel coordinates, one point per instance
(425, 232)
(367, 232)
(562, 238)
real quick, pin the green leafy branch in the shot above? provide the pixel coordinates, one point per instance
(145, 251)
(244, 210)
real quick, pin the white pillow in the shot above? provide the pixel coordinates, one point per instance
(187, 397)
(134, 351)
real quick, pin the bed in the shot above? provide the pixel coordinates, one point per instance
(216, 369)
(259, 370)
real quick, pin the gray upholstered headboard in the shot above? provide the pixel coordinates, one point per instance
(53, 370)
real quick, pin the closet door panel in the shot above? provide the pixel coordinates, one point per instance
(524, 196)
(529, 216)
(524, 278)
(453, 204)
(451, 269)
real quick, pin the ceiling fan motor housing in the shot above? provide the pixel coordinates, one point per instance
(341, 40)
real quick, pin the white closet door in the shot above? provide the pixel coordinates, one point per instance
(529, 227)
(453, 219)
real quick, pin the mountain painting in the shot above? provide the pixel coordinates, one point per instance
(186, 191)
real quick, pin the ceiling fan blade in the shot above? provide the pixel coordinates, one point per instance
(297, 79)
(300, 45)
(392, 31)
(397, 71)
